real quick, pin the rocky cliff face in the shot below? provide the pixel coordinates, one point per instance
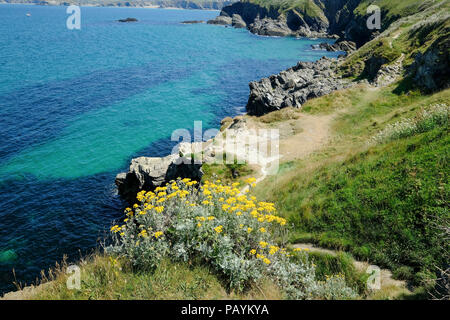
(344, 22)
(430, 69)
(327, 18)
(272, 22)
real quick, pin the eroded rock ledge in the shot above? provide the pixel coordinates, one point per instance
(147, 173)
(294, 86)
(346, 46)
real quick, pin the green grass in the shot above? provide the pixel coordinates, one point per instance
(395, 9)
(224, 172)
(304, 7)
(379, 202)
(383, 202)
(103, 278)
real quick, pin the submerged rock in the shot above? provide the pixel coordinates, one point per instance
(8, 256)
(192, 21)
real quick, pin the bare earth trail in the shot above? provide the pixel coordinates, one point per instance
(298, 139)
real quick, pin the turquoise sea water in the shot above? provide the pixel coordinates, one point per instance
(77, 105)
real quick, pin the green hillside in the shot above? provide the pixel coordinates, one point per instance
(381, 201)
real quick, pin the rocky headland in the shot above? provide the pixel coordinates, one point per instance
(321, 18)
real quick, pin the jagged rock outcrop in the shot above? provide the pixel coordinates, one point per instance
(222, 20)
(430, 69)
(270, 22)
(390, 73)
(147, 173)
(237, 21)
(293, 87)
(270, 27)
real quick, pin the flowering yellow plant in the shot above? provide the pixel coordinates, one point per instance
(218, 223)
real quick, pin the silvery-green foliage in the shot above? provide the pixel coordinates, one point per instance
(335, 288)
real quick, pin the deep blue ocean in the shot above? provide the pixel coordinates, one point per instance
(77, 105)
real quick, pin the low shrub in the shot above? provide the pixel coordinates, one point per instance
(339, 265)
(239, 237)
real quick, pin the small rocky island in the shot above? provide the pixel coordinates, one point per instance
(128, 20)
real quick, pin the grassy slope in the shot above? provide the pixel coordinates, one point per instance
(104, 278)
(378, 202)
(394, 9)
(307, 7)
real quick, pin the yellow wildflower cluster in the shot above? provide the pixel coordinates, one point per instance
(250, 180)
(228, 198)
(273, 250)
(206, 221)
(234, 202)
(263, 258)
(159, 209)
(116, 228)
(143, 234)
